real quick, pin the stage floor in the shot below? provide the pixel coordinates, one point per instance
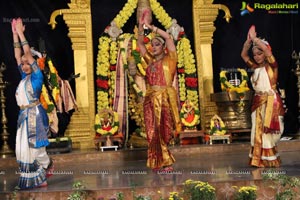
(126, 168)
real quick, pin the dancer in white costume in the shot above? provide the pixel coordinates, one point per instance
(267, 108)
(32, 133)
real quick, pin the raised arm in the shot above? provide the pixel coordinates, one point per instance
(20, 28)
(17, 45)
(258, 42)
(140, 40)
(169, 40)
(244, 54)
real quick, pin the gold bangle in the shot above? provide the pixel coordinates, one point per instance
(24, 42)
(141, 33)
(17, 45)
(271, 59)
(249, 62)
(154, 29)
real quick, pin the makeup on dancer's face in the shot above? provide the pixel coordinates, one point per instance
(258, 55)
(26, 68)
(156, 43)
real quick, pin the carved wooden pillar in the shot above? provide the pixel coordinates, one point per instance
(78, 19)
(204, 15)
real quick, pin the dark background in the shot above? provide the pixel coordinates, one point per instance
(281, 30)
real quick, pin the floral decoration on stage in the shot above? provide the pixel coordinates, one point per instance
(189, 115)
(45, 100)
(217, 126)
(106, 122)
(239, 89)
(113, 47)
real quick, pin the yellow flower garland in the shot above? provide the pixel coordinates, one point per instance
(186, 60)
(55, 90)
(161, 14)
(225, 85)
(125, 13)
(46, 102)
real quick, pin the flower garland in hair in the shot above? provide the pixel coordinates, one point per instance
(106, 122)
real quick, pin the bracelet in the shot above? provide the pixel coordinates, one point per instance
(247, 46)
(24, 42)
(271, 59)
(17, 45)
(155, 29)
(141, 33)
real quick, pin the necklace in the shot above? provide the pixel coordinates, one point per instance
(159, 57)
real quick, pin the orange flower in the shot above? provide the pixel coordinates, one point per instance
(41, 63)
(43, 102)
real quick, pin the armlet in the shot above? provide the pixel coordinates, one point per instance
(250, 63)
(271, 59)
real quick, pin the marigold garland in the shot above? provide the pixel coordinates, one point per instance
(240, 89)
(125, 13)
(187, 73)
(106, 57)
(160, 13)
(45, 100)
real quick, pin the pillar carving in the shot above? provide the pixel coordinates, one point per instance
(204, 15)
(78, 20)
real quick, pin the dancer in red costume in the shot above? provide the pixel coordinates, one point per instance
(160, 105)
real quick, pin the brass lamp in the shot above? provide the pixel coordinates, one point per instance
(5, 149)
